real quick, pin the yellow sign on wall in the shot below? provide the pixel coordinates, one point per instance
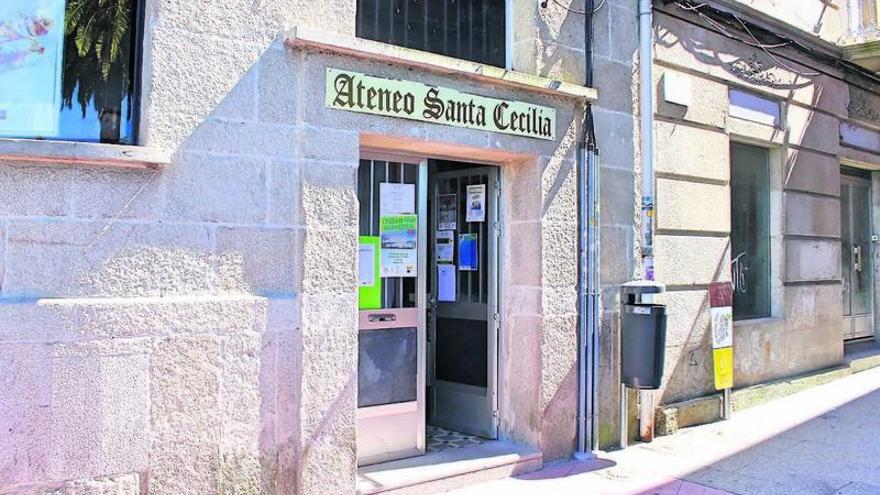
(355, 92)
(723, 359)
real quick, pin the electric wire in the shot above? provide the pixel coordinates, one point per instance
(816, 54)
(755, 42)
(581, 12)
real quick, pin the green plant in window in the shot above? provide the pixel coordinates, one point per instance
(97, 59)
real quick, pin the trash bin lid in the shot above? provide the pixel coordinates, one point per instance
(642, 287)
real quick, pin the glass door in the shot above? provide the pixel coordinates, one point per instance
(856, 257)
(463, 310)
(391, 302)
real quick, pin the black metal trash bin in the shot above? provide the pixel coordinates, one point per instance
(642, 345)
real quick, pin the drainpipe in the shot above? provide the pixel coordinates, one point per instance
(588, 284)
(646, 99)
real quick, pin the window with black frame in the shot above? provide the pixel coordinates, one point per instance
(750, 231)
(68, 69)
(467, 29)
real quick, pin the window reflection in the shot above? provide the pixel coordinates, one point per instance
(67, 69)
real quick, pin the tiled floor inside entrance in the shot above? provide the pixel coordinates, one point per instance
(440, 439)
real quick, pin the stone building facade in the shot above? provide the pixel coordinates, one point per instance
(181, 316)
(809, 115)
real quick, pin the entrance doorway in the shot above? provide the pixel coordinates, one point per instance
(428, 304)
(856, 254)
(462, 309)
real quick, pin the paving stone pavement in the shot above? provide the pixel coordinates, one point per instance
(822, 441)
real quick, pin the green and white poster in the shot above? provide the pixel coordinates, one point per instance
(399, 254)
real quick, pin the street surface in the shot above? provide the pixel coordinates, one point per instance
(822, 441)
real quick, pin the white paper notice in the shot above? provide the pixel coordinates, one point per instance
(446, 283)
(396, 199)
(367, 265)
(445, 246)
(722, 323)
(476, 203)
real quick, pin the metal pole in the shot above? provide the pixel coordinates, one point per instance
(624, 430)
(587, 310)
(725, 414)
(584, 308)
(646, 100)
(595, 291)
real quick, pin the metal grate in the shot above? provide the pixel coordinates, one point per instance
(467, 29)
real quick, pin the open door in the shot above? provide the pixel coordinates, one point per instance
(463, 306)
(391, 334)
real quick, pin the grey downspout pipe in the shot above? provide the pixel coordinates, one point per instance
(588, 295)
(646, 110)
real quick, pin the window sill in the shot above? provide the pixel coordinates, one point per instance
(305, 38)
(80, 153)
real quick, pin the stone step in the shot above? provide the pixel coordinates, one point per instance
(446, 470)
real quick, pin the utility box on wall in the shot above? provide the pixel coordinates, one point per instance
(642, 335)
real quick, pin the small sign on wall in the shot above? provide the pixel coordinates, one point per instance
(721, 308)
(355, 92)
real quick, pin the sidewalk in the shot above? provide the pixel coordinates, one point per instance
(822, 441)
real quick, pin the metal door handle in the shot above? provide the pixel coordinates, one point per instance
(857, 258)
(382, 318)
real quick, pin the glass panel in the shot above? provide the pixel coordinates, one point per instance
(750, 231)
(387, 366)
(462, 350)
(67, 69)
(467, 29)
(861, 239)
(846, 248)
(397, 292)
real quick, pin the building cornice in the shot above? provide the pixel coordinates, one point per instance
(310, 39)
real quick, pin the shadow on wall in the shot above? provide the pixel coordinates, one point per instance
(689, 367)
(759, 68)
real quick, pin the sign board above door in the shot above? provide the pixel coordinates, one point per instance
(357, 92)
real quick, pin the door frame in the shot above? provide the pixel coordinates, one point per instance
(854, 179)
(494, 300)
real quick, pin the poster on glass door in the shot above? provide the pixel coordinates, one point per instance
(468, 252)
(398, 254)
(447, 212)
(476, 203)
(31, 52)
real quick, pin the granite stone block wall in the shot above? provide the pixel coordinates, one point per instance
(193, 329)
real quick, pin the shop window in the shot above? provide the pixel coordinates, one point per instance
(467, 29)
(750, 231)
(68, 69)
